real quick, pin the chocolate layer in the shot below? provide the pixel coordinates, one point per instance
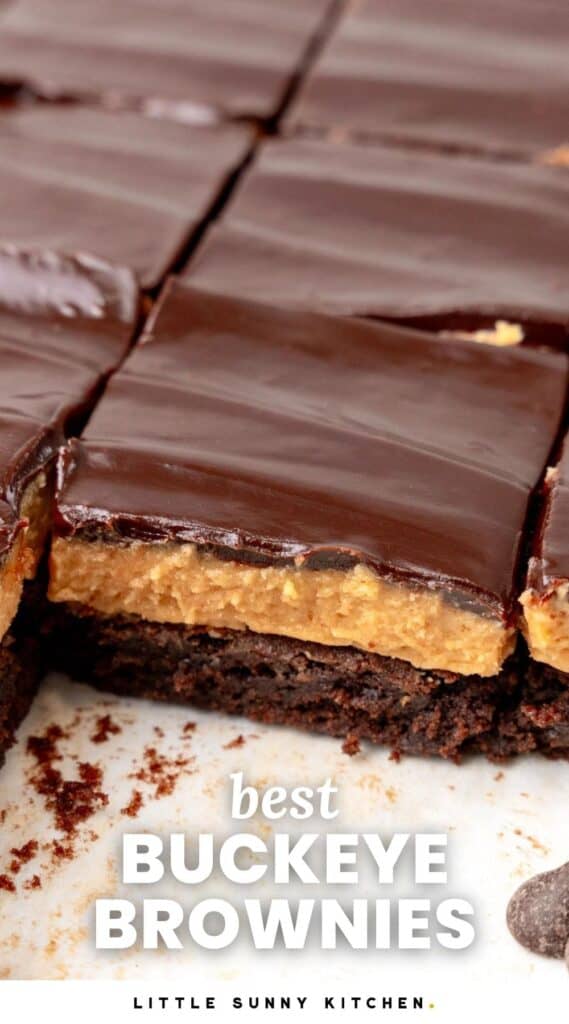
(126, 189)
(288, 438)
(491, 76)
(180, 57)
(378, 232)
(65, 324)
(339, 692)
(549, 564)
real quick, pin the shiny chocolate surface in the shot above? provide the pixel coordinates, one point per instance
(187, 59)
(491, 76)
(379, 232)
(65, 324)
(120, 187)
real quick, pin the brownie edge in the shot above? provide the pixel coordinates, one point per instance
(21, 666)
(340, 692)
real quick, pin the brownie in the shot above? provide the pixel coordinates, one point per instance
(422, 238)
(309, 493)
(65, 324)
(490, 76)
(124, 189)
(258, 483)
(181, 58)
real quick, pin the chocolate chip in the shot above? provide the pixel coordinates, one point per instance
(538, 913)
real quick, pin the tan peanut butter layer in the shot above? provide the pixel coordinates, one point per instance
(176, 583)
(547, 625)
(22, 561)
(558, 157)
(502, 335)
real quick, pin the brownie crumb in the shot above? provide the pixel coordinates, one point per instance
(134, 806)
(239, 741)
(161, 772)
(61, 851)
(104, 728)
(537, 845)
(189, 728)
(71, 801)
(33, 883)
(23, 855)
(74, 801)
(351, 745)
(7, 884)
(45, 747)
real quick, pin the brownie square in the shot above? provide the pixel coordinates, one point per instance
(446, 243)
(126, 189)
(242, 438)
(186, 59)
(65, 324)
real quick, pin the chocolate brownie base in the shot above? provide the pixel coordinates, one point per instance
(21, 667)
(338, 691)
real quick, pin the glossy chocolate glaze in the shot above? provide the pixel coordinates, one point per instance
(124, 188)
(491, 75)
(65, 324)
(549, 562)
(185, 58)
(272, 435)
(372, 231)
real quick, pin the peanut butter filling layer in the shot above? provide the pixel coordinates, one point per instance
(502, 335)
(558, 157)
(547, 626)
(22, 561)
(176, 583)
